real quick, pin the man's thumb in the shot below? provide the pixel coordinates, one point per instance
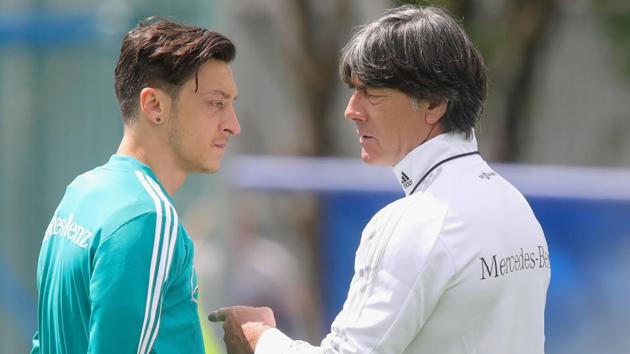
(218, 315)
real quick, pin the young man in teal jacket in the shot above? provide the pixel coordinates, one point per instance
(115, 271)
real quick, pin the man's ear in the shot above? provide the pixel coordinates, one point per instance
(435, 112)
(153, 105)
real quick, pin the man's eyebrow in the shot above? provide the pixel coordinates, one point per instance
(220, 93)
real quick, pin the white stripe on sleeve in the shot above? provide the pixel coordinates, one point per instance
(153, 297)
(170, 247)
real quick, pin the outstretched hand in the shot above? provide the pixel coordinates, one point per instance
(243, 326)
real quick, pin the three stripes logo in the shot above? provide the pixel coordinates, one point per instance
(405, 180)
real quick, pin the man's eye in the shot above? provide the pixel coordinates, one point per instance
(374, 98)
(216, 104)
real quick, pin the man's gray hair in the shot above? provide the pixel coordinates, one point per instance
(425, 53)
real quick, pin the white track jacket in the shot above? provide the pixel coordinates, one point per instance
(460, 265)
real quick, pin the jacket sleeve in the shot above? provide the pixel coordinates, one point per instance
(129, 272)
(401, 271)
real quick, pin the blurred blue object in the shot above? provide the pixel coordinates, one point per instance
(43, 28)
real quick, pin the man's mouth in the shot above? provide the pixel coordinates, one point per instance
(364, 138)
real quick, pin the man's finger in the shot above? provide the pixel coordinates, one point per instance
(218, 315)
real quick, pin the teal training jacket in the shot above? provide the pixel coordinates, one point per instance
(115, 271)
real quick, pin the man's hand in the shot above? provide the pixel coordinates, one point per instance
(243, 326)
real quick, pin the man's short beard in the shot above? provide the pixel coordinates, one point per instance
(176, 140)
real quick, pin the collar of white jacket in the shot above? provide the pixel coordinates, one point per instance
(415, 165)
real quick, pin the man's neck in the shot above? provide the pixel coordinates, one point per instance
(157, 155)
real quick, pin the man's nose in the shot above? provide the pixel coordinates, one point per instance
(232, 126)
(354, 111)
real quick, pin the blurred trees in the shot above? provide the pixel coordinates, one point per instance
(312, 45)
(615, 15)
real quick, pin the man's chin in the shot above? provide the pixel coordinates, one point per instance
(209, 168)
(371, 159)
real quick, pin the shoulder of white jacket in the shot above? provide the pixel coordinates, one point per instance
(410, 216)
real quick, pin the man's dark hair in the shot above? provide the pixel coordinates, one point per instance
(425, 53)
(164, 54)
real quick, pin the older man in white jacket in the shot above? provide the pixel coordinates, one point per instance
(460, 264)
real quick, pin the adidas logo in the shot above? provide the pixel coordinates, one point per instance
(405, 180)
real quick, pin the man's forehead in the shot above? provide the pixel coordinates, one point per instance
(224, 88)
(215, 78)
